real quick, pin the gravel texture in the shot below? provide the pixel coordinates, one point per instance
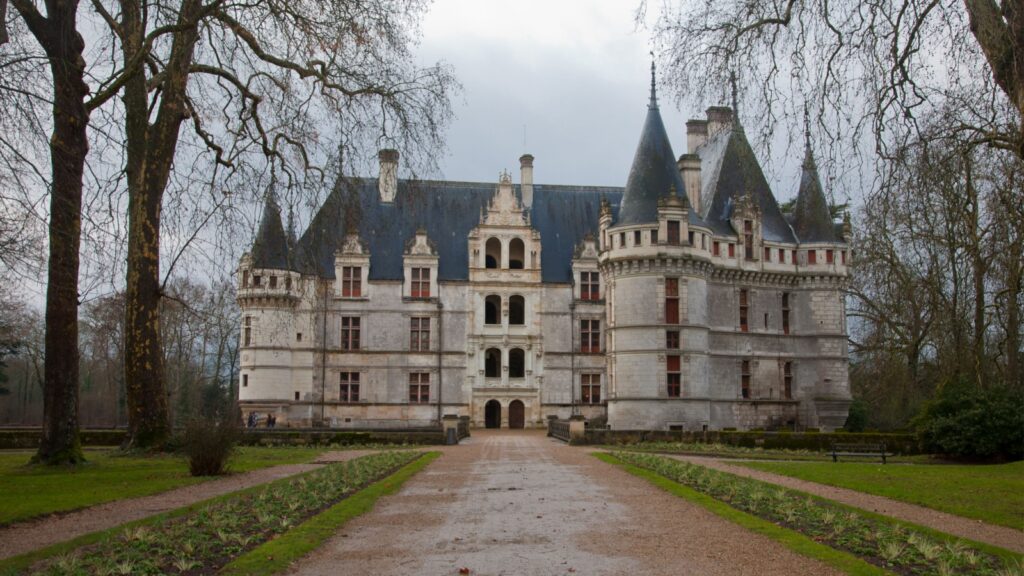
(977, 530)
(31, 535)
(521, 503)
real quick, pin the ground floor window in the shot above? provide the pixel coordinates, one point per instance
(419, 388)
(590, 388)
(349, 390)
(674, 379)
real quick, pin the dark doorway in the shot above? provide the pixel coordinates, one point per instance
(492, 414)
(492, 309)
(517, 310)
(516, 414)
(492, 363)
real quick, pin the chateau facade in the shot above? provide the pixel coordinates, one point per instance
(686, 300)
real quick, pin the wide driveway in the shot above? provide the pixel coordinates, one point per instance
(521, 503)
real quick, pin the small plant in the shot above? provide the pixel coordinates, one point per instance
(125, 568)
(209, 444)
(185, 564)
(929, 550)
(891, 551)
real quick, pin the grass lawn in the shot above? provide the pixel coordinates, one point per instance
(993, 493)
(29, 491)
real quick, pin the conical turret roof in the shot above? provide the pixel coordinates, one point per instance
(270, 248)
(812, 220)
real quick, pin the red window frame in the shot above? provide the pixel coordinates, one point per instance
(348, 390)
(590, 388)
(420, 287)
(812, 256)
(350, 332)
(590, 336)
(351, 281)
(716, 249)
(785, 312)
(830, 256)
(732, 250)
(748, 239)
(787, 386)
(671, 300)
(745, 379)
(419, 334)
(744, 310)
(419, 387)
(589, 286)
(674, 378)
(672, 339)
(673, 232)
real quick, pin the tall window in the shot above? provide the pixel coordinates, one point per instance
(273, 282)
(257, 280)
(785, 312)
(745, 378)
(287, 282)
(782, 256)
(674, 377)
(590, 388)
(716, 249)
(419, 387)
(829, 256)
(420, 283)
(351, 281)
(672, 339)
(812, 256)
(590, 336)
(673, 232)
(516, 363)
(671, 300)
(842, 255)
(516, 254)
(419, 334)
(245, 278)
(492, 309)
(748, 239)
(654, 237)
(637, 238)
(689, 237)
(589, 286)
(744, 309)
(492, 257)
(492, 363)
(349, 390)
(516, 310)
(247, 337)
(732, 250)
(350, 333)
(245, 380)
(787, 381)
(767, 254)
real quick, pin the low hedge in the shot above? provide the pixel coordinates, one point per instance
(285, 437)
(813, 441)
(28, 438)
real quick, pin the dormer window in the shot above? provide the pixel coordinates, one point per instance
(748, 239)
(589, 286)
(420, 283)
(516, 254)
(492, 258)
(351, 281)
(673, 232)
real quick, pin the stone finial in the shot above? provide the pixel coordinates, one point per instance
(387, 183)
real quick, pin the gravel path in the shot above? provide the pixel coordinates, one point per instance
(520, 503)
(34, 534)
(977, 530)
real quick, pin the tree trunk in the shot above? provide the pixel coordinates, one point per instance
(69, 145)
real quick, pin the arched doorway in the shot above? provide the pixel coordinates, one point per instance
(516, 414)
(492, 414)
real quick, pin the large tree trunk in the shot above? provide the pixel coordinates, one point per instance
(69, 145)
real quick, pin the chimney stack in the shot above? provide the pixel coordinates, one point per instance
(526, 179)
(719, 118)
(689, 169)
(387, 183)
(696, 134)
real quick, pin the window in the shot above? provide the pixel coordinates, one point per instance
(589, 286)
(716, 249)
(782, 256)
(842, 256)
(349, 388)
(298, 336)
(590, 336)
(689, 237)
(622, 240)
(673, 232)
(245, 279)
(492, 363)
(671, 300)
(637, 238)
(350, 333)
(590, 388)
(748, 239)
(517, 310)
(492, 309)
(516, 363)
(273, 282)
(787, 381)
(745, 378)
(829, 256)
(672, 339)
(257, 280)
(654, 236)
(732, 250)
(351, 281)
(419, 388)
(492, 258)
(792, 256)
(767, 254)
(287, 282)
(296, 395)
(420, 283)
(516, 254)
(419, 334)
(785, 312)
(674, 378)
(812, 256)
(245, 380)
(247, 336)
(744, 308)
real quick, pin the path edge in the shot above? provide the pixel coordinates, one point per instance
(791, 539)
(277, 555)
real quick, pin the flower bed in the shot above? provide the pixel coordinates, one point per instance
(205, 539)
(891, 545)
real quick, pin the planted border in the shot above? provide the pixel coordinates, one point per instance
(210, 536)
(895, 546)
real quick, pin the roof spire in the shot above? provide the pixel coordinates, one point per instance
(654, 94)
(808, 155)
(735, 100)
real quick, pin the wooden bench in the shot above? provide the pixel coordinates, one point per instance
(865, 449)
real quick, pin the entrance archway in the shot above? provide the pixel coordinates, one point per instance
(492, 414)
(516, 414)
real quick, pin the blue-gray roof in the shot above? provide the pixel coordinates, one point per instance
(270, 248)
(812, 219)
(563, 215)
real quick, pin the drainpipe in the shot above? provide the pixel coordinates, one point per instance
(323, 357)
(572, 352)
(440, 352)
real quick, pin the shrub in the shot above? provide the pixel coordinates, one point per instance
(857, 419)
(209, 443)
(967, 421)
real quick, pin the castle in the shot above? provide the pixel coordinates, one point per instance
(685, 301)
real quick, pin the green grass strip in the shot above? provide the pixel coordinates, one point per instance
(276, 555)
(791, 539)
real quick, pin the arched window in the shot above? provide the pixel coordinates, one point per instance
(493, 253)
(516, 254)
(516, 363)
(492, 309)
(492, 363)
(517, 310)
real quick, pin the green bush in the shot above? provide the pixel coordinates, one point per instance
(209, 443)
(971, 422)
(857, 419)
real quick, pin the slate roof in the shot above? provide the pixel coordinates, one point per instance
(729, 170)
(654, 172)
(812, 220)
(563, 215)
(270, 248)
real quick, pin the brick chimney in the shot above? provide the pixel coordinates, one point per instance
(526, 179)
(387, 182)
